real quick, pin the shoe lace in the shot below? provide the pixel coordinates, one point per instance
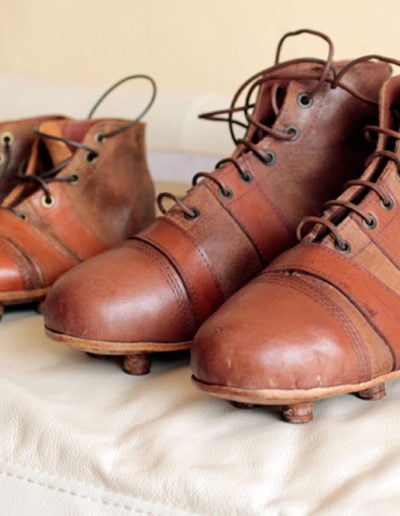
(42, 179)
(312, 228)
(5, 157)
(324, 73)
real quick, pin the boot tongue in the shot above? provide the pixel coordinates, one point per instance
(389, 111)
(47, 152)
(388, 119)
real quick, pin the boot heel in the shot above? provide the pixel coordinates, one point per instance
(299, 413)
(374, 393)
(137, 364)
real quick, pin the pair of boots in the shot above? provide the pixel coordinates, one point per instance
(320, 320)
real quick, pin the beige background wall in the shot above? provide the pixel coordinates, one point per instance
(188, 45)
(60, 55)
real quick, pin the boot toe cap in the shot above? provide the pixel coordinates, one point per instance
(276, 334)
(118, 296)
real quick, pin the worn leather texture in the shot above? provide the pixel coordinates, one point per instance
(160, 285)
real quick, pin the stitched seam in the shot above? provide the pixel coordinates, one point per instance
(189, 285)
(23, 262)
(339, 286)
(51, 238)
(74, 493)
(203, 256)
(347, 261)
(361, 351)
(182, 301)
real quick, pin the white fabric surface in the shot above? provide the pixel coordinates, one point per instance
(78, 436)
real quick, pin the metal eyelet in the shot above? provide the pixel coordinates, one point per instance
(346, 249)
(304, 100)
(196, 214)
(270, 158)
(7, 138)
(48, 202)
(247, 177)
(75, 179)
(99, 138)
(387, 205)
(227, 193)
(91, 156)
(22, 215)
(371, 223)
(294, 131)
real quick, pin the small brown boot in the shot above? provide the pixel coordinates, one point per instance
(17, 138)
(86, 187)
(303, 141)
(323, 318)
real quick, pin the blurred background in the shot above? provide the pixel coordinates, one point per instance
(58, 55)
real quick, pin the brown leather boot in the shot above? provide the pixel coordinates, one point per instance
(303, 141)
(16, 140)
(322, 319)
(86, 188)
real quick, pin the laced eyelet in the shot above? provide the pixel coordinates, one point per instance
(196, 214)
(388, 204)
(99, 138)
(227, 193)
(75, 179)
(7, 138)
(22, 215)
(247, 177)
(371, 223)
(48, 202)
(270, 158)
(91, 156)
(293, 131)
(304, 100)
(346, 249)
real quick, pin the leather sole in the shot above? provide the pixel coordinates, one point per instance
(23, 296)
(296, 403)
(136, 360)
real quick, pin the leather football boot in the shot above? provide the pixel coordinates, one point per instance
(322, 319)
(16, 140)
(86, 188)
(303, 141)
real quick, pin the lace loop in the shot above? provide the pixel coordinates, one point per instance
(224, 189)
(328, 59)
(318, 71)
(7, 159)
(190, 212)
(138, 117)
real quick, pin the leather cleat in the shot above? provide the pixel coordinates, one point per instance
(85, 188)
(152, 293)
(322, 319)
